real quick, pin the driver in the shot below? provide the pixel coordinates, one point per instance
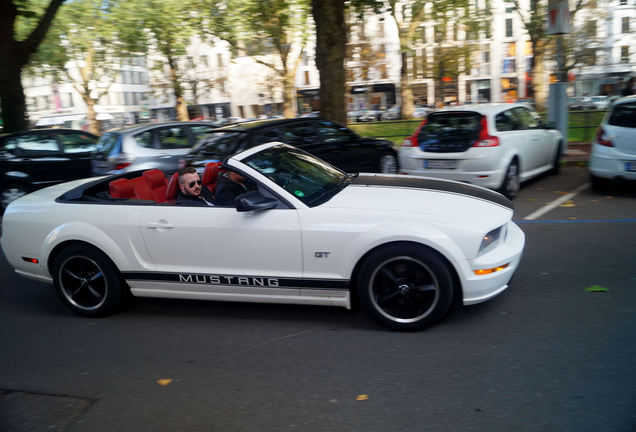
(190, 190)
(230, 185)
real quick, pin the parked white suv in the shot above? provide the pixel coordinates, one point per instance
(613, 152)
(497, 146)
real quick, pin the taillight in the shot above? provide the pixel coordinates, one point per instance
(123, 165)
(412, 140)
(485, 139)
(602, 138)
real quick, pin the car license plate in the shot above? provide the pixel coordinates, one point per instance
(440, 164)
(630, 166)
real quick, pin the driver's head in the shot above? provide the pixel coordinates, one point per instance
(190, 182)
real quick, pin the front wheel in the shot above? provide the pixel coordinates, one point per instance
(405, 286)
(556, 162)
(87, 282)
(511, 183)
(388, 164)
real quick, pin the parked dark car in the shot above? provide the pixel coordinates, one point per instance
(146, 146)
(33, 159)
(323, 138)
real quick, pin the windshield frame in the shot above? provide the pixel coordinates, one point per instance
(307, 178)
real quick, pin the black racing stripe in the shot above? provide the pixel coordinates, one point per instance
(433, 184)
(239, 281)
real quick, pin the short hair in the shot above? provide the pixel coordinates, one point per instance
(186, 170)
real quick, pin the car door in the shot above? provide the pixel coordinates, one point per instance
(37, 158)
(539, 151)
(218, 249)
(78, 147)
(172, 142)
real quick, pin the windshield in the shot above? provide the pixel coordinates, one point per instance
(308, 178)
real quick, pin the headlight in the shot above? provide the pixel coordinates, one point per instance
(491, 238)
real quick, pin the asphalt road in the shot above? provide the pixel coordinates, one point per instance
(555, 352)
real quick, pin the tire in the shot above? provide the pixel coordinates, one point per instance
(405, 287)
(388, 164)
(11, 192)
(556, 162)
(87, 282)
(511, 183)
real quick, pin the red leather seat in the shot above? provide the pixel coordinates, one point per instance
(173, 187)
(141, 188)
(157, 183)
(210, 176)
(121, 188)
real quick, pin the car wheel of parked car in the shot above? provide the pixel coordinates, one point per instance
(556, 162)
(388, 164)
(405, 286)
(11, 192)
(87, 281)
(511, 183)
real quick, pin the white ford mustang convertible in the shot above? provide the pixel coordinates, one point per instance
(404, 247)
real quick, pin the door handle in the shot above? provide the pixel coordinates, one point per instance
(159, 225)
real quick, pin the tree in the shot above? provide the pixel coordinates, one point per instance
(534, 21)
(331, 39)
(171, 27)
(86, 46)
(273, 33)
(455, 25)
(15, 52)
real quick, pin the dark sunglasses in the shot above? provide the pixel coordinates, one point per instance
(193, 182)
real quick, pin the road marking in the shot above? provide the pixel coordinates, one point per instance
(557, 202)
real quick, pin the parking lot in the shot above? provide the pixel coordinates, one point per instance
(552, 353)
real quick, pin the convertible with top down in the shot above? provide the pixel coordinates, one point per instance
(405, 247)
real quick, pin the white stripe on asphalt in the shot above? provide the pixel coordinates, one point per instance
(557, 202)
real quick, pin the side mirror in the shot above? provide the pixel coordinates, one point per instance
(254, 201)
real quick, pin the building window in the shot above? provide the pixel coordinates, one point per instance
(625, 25)
(306, 78)
(622, 3)
(625, 54)
(508, 27)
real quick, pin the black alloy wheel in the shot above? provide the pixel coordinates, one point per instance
(511, 183)
(405, 286)
(87, 281)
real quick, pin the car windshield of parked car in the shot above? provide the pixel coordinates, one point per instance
(623, 115)
(308, 178)
(218, 144)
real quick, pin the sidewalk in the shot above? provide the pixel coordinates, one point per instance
(576, 153)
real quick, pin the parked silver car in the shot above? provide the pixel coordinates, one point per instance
(146, 146)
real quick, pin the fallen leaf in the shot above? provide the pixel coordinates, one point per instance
(572, 218)
(569, 203)
(540, 188)
(596, 288)
(164, 381)
(362, 397)
(609, 197)
(532, 199)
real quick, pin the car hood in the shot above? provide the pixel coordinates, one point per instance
(434, 198)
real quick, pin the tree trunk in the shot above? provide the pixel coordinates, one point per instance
(91, 116)
(331, 38)
(405, 88)
(14, 113)
(289, 90)
(538, 76)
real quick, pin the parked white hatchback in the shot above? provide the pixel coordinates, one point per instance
(613, 152)
(497, 146)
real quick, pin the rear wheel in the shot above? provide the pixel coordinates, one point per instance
(388, 164)
(11, 192)
(405, 286)
(511, 182)
(87, 281)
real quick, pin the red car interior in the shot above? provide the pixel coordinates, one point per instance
(154, 186)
